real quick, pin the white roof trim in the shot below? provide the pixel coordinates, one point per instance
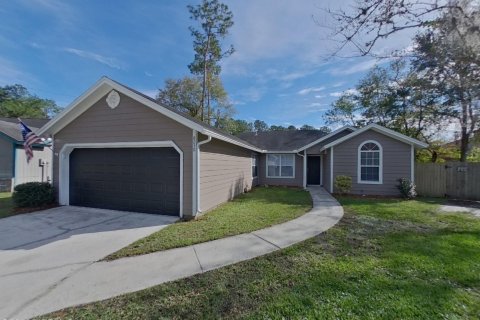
(100, 89)
(380, 129)
(331, 134)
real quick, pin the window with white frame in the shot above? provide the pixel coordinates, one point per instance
(254, 166)
(280, 165)
(370, 162)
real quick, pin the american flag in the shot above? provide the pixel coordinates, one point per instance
(29, 138)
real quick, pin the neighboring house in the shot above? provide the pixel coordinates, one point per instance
(14, 168)
(116, 148)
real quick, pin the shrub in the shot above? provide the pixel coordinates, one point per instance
(33, 194)
(343, 184)
(407, 188)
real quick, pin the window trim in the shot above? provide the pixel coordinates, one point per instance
(255, 164)
(280, 176)
(359, 163)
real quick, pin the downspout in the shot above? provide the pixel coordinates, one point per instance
(209, 138)
(14, 163)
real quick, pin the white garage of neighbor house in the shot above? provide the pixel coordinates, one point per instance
(14, 169)
(116, 148)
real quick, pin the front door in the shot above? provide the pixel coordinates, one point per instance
(313, 170)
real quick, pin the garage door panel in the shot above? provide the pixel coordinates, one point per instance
(129, 179)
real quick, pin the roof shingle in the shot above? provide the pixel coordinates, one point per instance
(9, 126)
(288, 140)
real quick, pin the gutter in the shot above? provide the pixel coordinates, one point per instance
(209, 138)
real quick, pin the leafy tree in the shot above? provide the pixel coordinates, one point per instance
(16, 101)
(184, 95)
(215, 20)
(277, 128)
(234, 126)
(307, 127)
(394, 97)
(325, 129)
(344, 111)
(260, 126)
(448, 54)
(291, 128)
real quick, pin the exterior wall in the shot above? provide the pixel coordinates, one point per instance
(297, 181)
(32, 171)
(316, 148)
(396, 163)
(225, 172)
(129, 122)
(6, 165)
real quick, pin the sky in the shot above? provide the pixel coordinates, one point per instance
(282, 71)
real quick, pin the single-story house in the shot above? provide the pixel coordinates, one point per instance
(14, 169)
(117, 148)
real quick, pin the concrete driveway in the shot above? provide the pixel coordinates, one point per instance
(38, 250)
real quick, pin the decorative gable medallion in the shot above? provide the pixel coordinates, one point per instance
(113, 99)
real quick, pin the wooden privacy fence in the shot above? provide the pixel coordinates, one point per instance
(451, 179)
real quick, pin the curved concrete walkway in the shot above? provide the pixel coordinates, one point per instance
(102, 280)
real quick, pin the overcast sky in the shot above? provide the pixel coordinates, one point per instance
(279, 72)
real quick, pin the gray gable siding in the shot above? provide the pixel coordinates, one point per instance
(131, 121)
(396, 163)
(225, 172)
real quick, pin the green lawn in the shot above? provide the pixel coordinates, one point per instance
(386, 259)
(260, 208)
(6, 204)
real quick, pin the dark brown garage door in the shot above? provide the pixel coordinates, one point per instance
(128, 179)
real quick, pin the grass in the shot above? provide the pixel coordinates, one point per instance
(260, 208)
(6, 204)
(386, 259)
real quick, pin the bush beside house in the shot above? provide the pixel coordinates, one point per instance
(33, 194)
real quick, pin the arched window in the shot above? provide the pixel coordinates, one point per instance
(370, 166)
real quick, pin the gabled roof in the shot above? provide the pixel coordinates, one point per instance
(9, 127)
(272, 141)
(383, 130)
(282, 140)
(289, 140)
(30, 122)
(105, 85)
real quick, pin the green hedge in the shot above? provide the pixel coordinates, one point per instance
(33, 194)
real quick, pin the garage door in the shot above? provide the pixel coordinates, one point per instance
(128, 179)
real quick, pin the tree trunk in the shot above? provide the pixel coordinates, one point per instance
(209, 110)
(464, 139)
(204, 82)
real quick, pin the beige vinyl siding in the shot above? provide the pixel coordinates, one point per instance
(6, 159)
(297, 181)
(131, 121)
(225, 171)
(396, 162)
